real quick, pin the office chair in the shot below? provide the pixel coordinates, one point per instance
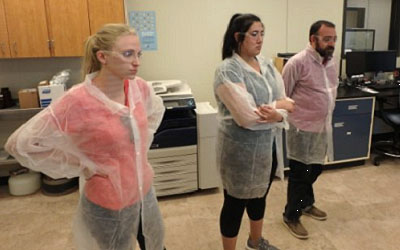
(388, 148)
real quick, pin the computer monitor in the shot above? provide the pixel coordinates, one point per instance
(356, 63)
(360, 62)
(381, 61)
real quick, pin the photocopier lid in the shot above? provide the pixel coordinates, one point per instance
(176, 94)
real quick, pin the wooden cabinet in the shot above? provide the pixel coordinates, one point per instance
(4, 45)
(68, 26)
(27, 28)
(44, 28)
(105, 11)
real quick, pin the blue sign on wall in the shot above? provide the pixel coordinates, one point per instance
(144, 23)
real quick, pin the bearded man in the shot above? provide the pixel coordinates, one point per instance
(311, 80)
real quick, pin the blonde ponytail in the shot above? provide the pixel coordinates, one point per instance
(104, 39)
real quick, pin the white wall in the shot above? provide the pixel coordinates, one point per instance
(190, 34)
(190, 37)
(301, 14)
(377, 17)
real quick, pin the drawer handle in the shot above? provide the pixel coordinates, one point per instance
(166, 162)
(169, 172)
(339, 124)
(15, 48)
(2, 49)
(352, 107)
(170, 180)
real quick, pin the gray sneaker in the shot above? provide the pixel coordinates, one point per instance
(263, 244)
(296, 228)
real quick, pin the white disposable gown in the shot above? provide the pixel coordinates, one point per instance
(245, 147)
(86, 132)
(312, 85)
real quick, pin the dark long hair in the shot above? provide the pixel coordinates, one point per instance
(238, 23)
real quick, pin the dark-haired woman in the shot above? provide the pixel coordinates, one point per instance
(252, 109)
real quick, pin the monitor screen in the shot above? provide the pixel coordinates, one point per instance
(381, 61)
(355, 63)
(359, 62)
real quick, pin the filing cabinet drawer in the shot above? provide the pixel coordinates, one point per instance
(175, 170)
(178, 163)
(179, 177)
(349, 107)
(178, 187)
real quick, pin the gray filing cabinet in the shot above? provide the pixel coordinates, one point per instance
(352, 129)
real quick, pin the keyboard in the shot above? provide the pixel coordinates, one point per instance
(385, 85)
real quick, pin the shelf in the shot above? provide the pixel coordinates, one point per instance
(19, 112)
(6, 159)
(7, 162)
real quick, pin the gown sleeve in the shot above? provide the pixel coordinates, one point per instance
(154, 108)
(41, 145)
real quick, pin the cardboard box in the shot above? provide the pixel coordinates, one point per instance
(28, 98)
(49, 93)
(279, 63)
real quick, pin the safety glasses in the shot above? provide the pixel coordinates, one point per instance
(127, 55)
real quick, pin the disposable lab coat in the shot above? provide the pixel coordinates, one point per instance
(312, 85)
(245, 147)
(85, 131)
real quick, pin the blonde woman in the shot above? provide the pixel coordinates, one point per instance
(102, 128)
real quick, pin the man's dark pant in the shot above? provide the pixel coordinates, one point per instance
(300, 191)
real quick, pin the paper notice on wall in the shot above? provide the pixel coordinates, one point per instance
(144, 23)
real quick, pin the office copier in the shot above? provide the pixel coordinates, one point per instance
(174, 150)
(173, 153)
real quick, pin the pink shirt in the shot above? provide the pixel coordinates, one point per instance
(312, 85)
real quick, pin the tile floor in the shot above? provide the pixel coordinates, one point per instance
(363, 205)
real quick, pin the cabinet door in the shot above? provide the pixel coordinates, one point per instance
(105, 11)
(68, 26)
(27, 28)
(351, 136)
(4, 46)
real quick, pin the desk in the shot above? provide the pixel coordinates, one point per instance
(352, 124)
(353, 128)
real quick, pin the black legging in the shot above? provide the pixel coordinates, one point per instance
(233, 208)
(140, 237)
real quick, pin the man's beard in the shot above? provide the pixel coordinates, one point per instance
(326, 53)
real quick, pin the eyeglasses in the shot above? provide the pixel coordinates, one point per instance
(127, 55)
(254, 34)
(327, 39)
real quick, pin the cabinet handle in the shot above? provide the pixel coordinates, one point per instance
(338, 125)
(2, 49)
(15, 48)
(352, 107)
(51, 45)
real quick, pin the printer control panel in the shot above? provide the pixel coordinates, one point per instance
(186, 103)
